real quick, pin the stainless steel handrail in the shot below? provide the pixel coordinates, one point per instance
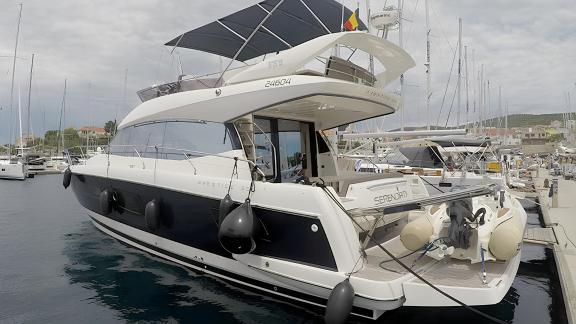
(357, 79)
(275, 160)
(139, 156)
(184, 151)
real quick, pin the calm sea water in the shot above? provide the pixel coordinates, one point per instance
(56, 267)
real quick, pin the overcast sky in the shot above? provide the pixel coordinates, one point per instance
(527, 47)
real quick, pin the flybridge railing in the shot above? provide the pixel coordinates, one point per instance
(341, 69)
(334, 67)
(184, 83)
(187, 154)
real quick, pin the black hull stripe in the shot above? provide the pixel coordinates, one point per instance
(230, 275)
(191, 219)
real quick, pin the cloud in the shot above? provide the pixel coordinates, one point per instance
(527, 49)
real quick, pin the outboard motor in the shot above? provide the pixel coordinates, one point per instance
(339, 303)
(236, 232)
(459, 232)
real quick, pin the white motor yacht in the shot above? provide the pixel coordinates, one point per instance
(236, 179)
(12, 170)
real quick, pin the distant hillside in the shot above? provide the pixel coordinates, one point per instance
(526, 120)
(516, 120)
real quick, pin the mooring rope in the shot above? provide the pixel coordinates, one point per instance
(431, 285)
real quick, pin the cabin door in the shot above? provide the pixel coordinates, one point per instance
(295, 149)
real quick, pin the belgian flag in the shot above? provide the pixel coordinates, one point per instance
(352, 23)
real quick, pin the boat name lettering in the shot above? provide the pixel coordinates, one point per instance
(212, 184)
(277, 82)
(380, 200)
(376, 94)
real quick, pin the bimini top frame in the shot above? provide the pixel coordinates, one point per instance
(267, 27)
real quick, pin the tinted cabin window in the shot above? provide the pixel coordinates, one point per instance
(146, 137)
(142, 138)
(291, 150)
(174, 140)
(187, 139)
(264, 152)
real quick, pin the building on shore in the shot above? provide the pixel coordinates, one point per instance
(91, 131)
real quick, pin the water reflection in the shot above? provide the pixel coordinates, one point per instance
(140, 287)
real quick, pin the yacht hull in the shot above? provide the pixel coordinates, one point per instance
(198, 248)
(12, 171)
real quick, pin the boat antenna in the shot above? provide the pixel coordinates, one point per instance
(12, 83)
(248, 39)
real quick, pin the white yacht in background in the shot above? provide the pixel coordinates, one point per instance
(12, 169)
(234, 176)
(56, 164)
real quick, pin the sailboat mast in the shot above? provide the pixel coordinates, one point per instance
(474, 86)
(368, 19)
(467, 99)
(64, 115)
(571, 112)
(506, 120)
(20, 124)
(60, 132)
(12, 83)
(500, 106)
(481, 98)
(489, 113)
(401, 44)
(91, 119)
(459, 106)
(428, 70)
(29, 100)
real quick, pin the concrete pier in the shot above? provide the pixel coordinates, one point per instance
(559, 213)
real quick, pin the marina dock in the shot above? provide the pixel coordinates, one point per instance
(559, 214)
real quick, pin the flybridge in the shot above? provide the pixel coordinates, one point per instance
(293, 61)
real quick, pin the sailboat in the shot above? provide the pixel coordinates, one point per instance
(12, 168)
